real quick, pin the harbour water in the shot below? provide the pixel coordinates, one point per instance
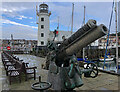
(109, 66)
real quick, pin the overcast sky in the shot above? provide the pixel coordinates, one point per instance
(19, 18)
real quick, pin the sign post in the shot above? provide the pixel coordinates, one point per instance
(8, 48)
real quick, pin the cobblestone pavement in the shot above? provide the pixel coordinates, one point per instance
(102, 82)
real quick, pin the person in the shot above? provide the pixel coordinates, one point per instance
(63, 38)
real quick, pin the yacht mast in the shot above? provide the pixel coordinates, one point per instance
(58, 23)
(84, 24)
(116, 35)
(72, 17)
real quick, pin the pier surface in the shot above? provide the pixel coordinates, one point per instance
(102, 82)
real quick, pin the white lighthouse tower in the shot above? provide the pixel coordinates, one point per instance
(43, 24)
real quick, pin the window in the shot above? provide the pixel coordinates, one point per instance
(42, 34)
(42, 19)
(42, 42)
(42, 26)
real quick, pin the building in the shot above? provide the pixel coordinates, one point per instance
(43, 25)
(112, 42)
(19, 44)
(59, 36)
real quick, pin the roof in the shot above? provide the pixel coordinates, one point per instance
(43, 5)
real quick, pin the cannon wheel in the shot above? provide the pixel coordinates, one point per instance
(41, 85)
(94, 72)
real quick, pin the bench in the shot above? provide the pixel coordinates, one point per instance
(7, 62)
(29, 70)
(21, 67)
(15, 67)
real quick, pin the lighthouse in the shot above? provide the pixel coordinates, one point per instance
(42, 17)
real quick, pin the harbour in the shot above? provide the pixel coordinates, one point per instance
(44, 50)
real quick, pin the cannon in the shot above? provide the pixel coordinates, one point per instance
(64, 71)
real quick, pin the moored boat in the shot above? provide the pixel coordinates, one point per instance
(108, 58)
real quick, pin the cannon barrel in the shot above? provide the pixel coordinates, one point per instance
(90, 24)
(88, 38)
(80, 42)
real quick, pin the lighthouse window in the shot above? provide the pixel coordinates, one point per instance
(42, 26)
(42, 19)
(42, 34)
(42, 42)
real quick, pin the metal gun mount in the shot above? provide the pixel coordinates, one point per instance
(64, 71)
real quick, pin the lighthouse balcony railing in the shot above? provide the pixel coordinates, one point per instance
(43, 11)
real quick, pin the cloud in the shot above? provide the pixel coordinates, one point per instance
(19, 32)
(22, 17)
(5, 21)
(33, 22)
(13, 13)
(6, 10)
(14, 9)
(30, 17)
